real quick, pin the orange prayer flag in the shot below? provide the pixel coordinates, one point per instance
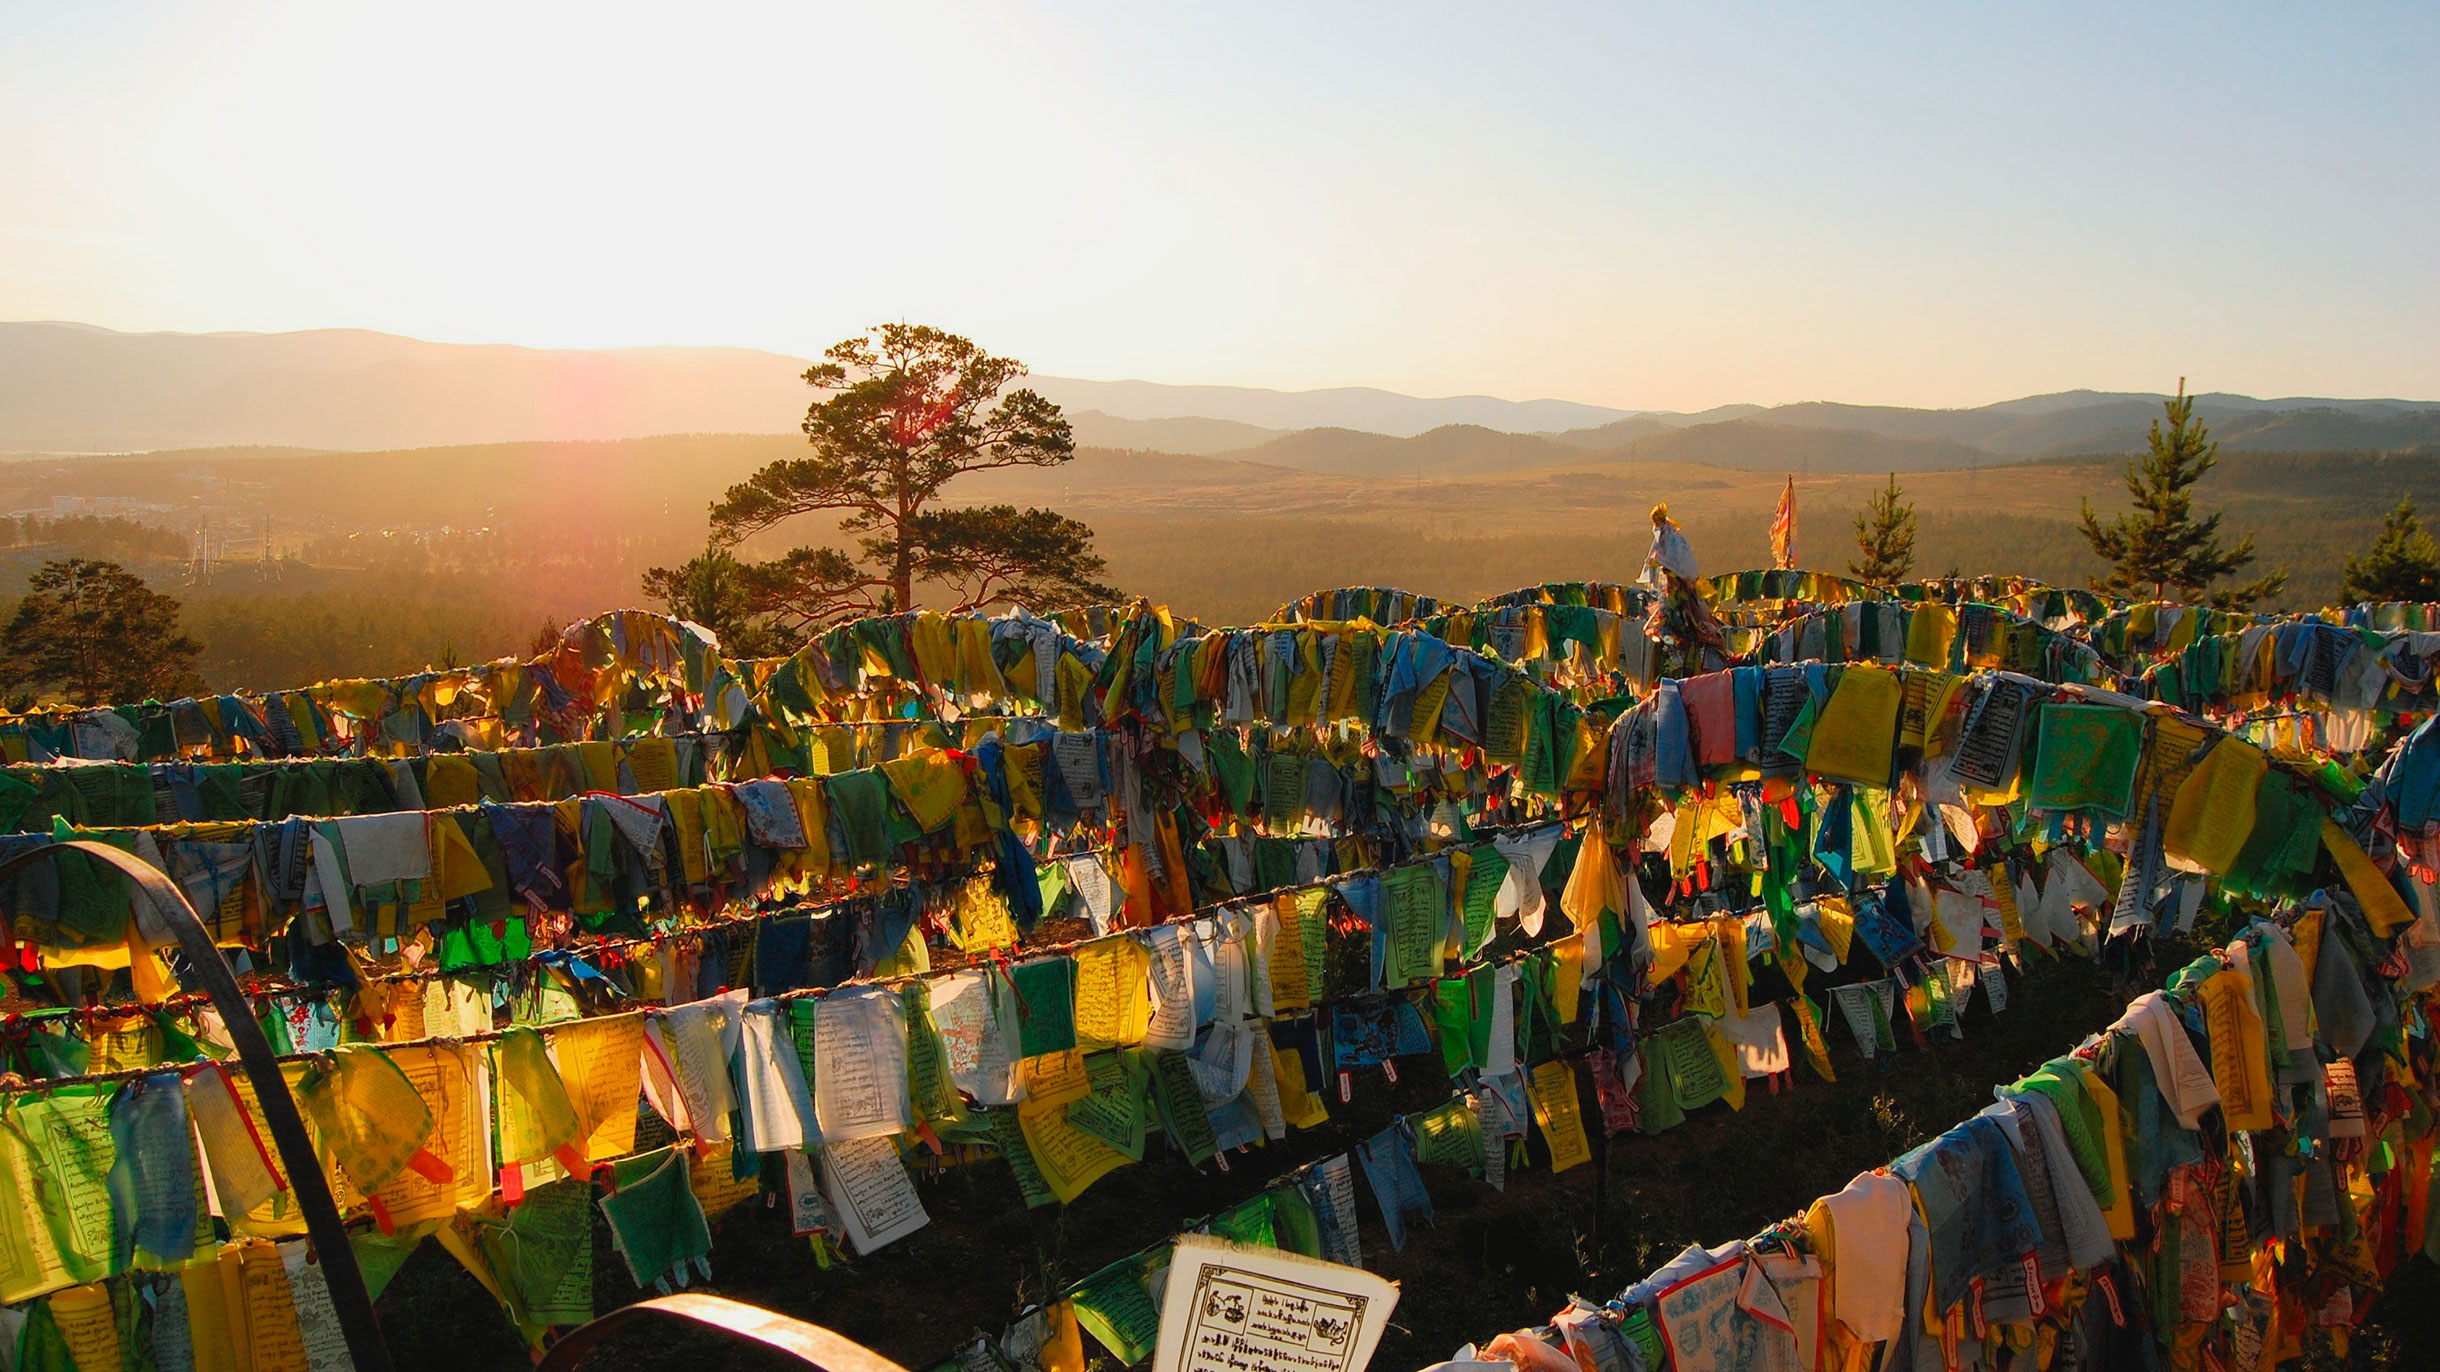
(1783, 528)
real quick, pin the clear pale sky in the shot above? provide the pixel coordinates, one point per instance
(1673, 206)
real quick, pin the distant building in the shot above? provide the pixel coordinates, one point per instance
(66, 506)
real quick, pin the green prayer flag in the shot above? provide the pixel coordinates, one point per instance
(1115, 1111)
(1453, 1015)
(1450, 1135)
(929, 1088)
(1008, 1137)
(1246, 1222)
(1232, 769)
(1694, 1069)
(69, 1154)
(1113, 1306)
(656, 1223)
(2085, 758)
(1416, 907)
(543, 1253)
(1656, 1094)
(1293, 1222)
(1181, 1103)
(1046, 1004)
(1283, 790)
(1486, 873)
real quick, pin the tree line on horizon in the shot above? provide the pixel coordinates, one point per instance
(904, 411)
(2159, 549)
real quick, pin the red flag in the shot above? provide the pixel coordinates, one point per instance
(1783, 528)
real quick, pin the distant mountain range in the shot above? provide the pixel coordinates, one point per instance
(78, 388)
(1346, 407)
(75, 388)
(70, 388)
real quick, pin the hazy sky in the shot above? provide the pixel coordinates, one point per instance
(1667, 207)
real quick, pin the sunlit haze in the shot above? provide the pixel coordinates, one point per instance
(1669, 207)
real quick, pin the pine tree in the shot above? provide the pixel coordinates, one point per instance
(742, 602)
(2404, 563)
(2159, 548)
(94, 633)
(905, 411)
(1885, 536)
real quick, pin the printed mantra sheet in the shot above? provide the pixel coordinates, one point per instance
(1228, 1308)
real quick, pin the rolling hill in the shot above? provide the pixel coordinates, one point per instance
(1446, 451)
(1762, 443)
(1095, 429)
(73, 388)
(1345, 407)
(2096, 422)
(76, 388)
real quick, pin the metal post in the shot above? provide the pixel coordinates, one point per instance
(348, 1297)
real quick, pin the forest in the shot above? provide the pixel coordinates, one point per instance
(382, 562)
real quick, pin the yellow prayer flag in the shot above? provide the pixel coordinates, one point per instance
(2213, 811)
(1858, 729)
(367, 1114)
(1299, 1106)
(2119, 1211)
(272, 1342)
(1428, 704)
(1595, 885)
(1561, 1117)
(1055, 1079)
(716, 1186)
(1113, 1007)
(813, 814)
(1672, 944)
(1068, 1158)
(88, 1327)
(599, 758)
(2384, 909)
(932, 784)
(1931, 628)
(2240, 1057)
(1732, 1068)
(1817, 1050)
(458, 867)
(1838, 925)
(600, 1064)
(534, 1116)
(1706, 979)
(207, 1316)
(934, 647)
(452, 1172)
(1567, 988)
(1063, 1350)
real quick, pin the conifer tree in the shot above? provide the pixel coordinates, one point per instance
(2404, 563)
(1885, 538)
(2159, 548)
(737, 600)
(905, 411)
(93, 632)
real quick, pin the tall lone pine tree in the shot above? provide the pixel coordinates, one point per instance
(2159, 549)
(1884, 538)
(905, 411)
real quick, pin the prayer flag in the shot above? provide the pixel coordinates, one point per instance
(1783, 528)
